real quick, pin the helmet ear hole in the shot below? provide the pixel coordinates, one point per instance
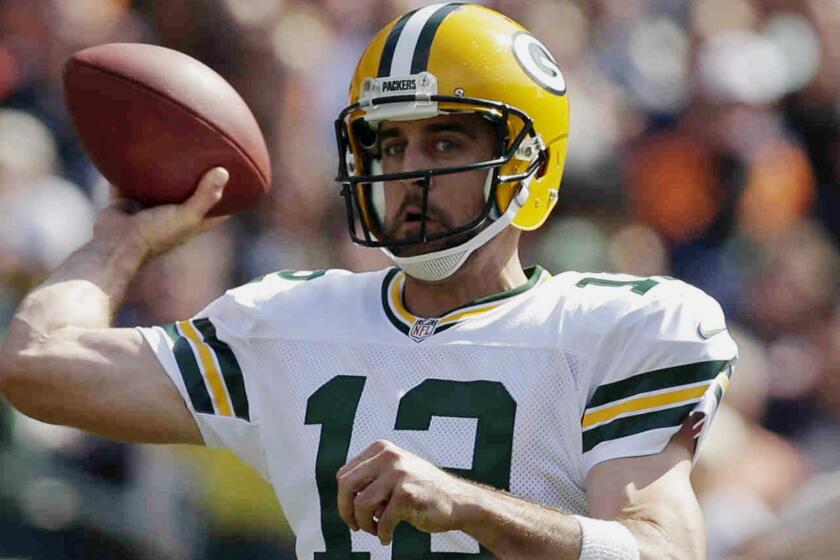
(366, 136)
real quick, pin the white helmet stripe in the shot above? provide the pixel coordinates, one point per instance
(409, 38)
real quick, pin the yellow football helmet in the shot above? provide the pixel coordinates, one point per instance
(455, 58)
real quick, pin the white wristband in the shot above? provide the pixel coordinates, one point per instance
(606, 540)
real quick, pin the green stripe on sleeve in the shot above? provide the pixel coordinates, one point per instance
(632, 425)
(190, 372)
(229, 365)
(655, 380)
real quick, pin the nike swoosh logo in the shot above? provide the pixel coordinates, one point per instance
(706, 334)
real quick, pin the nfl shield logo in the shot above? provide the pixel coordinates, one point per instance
(422, 329)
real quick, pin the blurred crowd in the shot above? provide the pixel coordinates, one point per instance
(705, 145)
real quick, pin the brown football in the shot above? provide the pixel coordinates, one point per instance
(153, 120)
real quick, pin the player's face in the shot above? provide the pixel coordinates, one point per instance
(455, 199)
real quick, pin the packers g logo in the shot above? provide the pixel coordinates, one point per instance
(538, 63)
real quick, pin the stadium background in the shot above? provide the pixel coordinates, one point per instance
(705, 144)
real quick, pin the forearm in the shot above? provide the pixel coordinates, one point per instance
(88, 288)
(82, 294)
(514, 528)
(85, 291)
(62, 363)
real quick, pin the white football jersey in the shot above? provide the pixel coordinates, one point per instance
(526, 390)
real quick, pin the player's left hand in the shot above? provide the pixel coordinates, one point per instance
(386, 484)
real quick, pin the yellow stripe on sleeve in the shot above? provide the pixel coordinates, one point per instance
(211, 370)
(643, 403)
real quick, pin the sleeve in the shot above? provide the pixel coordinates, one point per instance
(206, 357)
(667, 359)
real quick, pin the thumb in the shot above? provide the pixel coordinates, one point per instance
(209, 191)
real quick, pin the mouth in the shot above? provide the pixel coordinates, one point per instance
(412, 217)
(411, 221)
(407, 223)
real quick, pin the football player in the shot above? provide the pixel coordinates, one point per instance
(452, 406)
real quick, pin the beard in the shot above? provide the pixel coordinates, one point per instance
(420, 248)
(437, 222)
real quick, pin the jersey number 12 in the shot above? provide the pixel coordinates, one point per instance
(333, 406)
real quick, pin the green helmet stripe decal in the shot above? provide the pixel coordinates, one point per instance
(420, 60)
(407, 46)
(391, 45)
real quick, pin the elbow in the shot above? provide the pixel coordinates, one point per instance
(12, 377)
(20, 380)
(9, 371)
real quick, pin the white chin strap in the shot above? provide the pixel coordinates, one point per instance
(438, 265)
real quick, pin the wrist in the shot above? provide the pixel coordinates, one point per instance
(511, 527)
(606, 539)
(472, 513)
(123, 255)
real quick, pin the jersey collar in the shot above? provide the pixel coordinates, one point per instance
(421, 328)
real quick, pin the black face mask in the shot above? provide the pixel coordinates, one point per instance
(358, 174)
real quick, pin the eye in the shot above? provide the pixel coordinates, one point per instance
(393, 149)
(445, 145)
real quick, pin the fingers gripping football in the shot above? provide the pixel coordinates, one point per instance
(207, 194)
(162, 227)
(386, 484)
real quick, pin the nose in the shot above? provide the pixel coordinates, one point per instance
(416, 157)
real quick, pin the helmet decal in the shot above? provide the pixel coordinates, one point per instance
(391, 45)
(420, 59)
(538, 63)
(407, 48)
